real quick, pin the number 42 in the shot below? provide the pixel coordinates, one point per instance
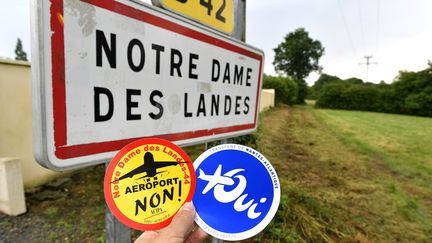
(208, 4)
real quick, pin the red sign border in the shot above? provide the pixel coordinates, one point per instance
(110, 170)
(64, 151)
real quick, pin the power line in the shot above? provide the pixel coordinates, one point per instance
(378, 27)
(361, 25)
(346, 28)
(367, 63)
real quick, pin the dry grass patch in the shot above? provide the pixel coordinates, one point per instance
(332, 191)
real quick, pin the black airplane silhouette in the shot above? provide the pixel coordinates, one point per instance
(150, 166)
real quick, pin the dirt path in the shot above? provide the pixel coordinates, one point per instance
(337, 194)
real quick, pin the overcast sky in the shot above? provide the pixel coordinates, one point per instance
(397, 33)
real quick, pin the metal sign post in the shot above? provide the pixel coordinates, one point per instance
(240, 34)
(116, 232)
(240, 20)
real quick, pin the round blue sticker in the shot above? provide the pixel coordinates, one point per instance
(237, 192)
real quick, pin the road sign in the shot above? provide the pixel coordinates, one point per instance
(110, 72)
(218, 14)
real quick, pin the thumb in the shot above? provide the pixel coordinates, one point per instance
(183, 222)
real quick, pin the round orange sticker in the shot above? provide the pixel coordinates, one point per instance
(147, 182)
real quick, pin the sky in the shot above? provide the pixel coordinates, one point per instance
(396, 33)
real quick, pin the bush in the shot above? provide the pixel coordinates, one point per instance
(285, 89)
(414, 90)
(362, 98)
(332, 96)
(311, 94)
(411, 93)
(419, 104)
(389, 102)
(324, 80)
(357, 97)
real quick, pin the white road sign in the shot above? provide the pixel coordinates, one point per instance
(110, 72)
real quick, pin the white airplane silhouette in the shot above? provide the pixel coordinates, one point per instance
(217, 178)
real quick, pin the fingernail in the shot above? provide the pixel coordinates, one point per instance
(187, 207)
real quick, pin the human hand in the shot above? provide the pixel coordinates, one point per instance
(182, 229)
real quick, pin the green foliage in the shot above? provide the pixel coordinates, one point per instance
(326, 79)
(297, 56)
(301, 218)
(249, 140)
(311, 94)
(420, 104)
(51, 212)
(388, 100)
(302, 92)
(323, 80)
(414, 91)
(411, 93)
(362, 98)
(354, 81)
(356, 97)
(285, 89)
(332, 96)
(21, 55)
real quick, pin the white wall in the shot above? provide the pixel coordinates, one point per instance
(16, 121)
(267, 99)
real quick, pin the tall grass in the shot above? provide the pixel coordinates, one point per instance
(348, 176)
(403, 142)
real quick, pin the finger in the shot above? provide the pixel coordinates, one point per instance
(198, 235)
(183, 222)
(147, 236)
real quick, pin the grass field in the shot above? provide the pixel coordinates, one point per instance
(349, 176)
(345, 176)
(403, 142)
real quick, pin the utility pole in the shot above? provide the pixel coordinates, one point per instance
(367, 63)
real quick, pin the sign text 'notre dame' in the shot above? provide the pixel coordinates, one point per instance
(108, 72)
(181, 63)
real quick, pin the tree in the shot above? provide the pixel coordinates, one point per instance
(19, 52)
(297, 56)
(323, 80)
(414, 91)
(285, 88)
(354, 81)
